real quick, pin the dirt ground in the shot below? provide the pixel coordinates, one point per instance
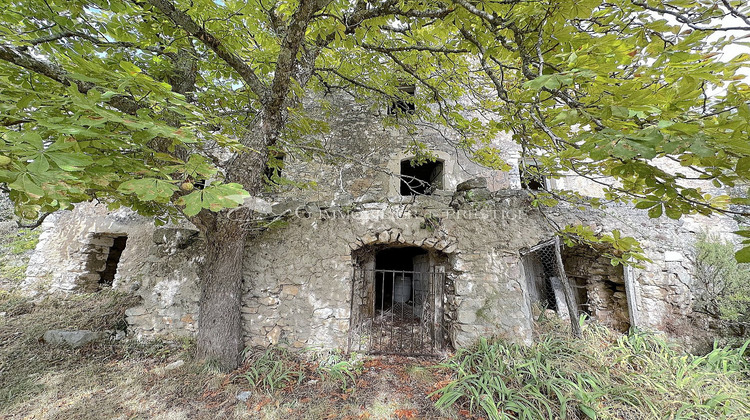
(125, 379)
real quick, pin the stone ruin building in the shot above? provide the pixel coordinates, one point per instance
(384, 256)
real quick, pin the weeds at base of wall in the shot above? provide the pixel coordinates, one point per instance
(640, 375)
(276, 368)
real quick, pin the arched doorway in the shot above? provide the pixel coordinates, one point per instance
(398, 300)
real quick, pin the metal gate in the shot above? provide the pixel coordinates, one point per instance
(397, 312)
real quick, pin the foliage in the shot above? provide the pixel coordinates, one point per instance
(112, 115)
(624, 249)
(136, 102)
(339, 369)
(636, 376)
(724, 283)
(272, 369)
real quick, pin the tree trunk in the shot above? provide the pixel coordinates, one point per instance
(220, 317)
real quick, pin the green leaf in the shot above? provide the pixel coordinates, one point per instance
(645, 204)
(193, 203)
(655, 211)
(743, 255)
(215, 197)
(149, 189)
(39, 165)
(673, 212)
(70, 161)
(588, 411)
(27, 185)
(743, 167)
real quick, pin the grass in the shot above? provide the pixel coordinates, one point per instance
(604, 376)
(106, 379)
(601, 376)
(15, 249)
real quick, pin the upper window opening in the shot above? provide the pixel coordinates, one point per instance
(421, 179)
(403, 104)
(274, 166)
(531, 177)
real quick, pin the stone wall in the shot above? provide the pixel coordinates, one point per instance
(158, 264)
(298, 276)
(298, 279)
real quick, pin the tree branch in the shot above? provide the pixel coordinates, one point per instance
(184, 21)
(53, 71)
(96, 41)
(35, 224)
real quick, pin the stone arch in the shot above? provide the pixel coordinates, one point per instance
(396, 237)
(428, 309)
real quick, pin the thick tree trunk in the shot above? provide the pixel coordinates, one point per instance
(220, 321)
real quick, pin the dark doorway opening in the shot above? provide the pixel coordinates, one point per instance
(398, 301)
(597, 286)
(421, 179)
(113, 259)
(394, 268)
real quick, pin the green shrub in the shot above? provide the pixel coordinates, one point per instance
(273, 369)
(636, 376)
(723, 282)
(337, 368)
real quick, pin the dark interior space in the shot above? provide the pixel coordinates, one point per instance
(274, 167)
(392, 260)
(403, 105)
(531, 179)
(421, 179)
(113, 258)
(550, 270)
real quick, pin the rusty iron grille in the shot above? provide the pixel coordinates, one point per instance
(397, 312)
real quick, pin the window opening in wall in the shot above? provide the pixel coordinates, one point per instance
(531, 177)
(113, 259)
(274, 166)
(421, 179)
(598, 288)
(397, 303)
(102, 253)
(405, 103)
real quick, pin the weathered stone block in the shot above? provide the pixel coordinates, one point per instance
(73, 339)
(472, 184)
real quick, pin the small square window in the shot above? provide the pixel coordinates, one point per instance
(421, 179)
(531, 178)
(403, 104)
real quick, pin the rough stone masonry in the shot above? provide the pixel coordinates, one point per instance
(472, 225)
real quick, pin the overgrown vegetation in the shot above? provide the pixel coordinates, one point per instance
(724, 283)
(276, 368)
(15, 247)
(602, 376)
(105, 379)
(273, 369)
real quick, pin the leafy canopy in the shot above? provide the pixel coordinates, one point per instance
(133, 102)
